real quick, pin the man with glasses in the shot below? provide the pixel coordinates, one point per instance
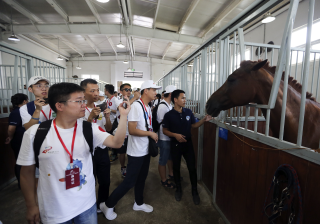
(101, 160)
(66, 189)
(38, 110)
(125, 90)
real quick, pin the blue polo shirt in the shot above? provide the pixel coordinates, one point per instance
(179, 123)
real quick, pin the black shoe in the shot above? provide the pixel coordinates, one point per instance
(196, 199)
(178, 195)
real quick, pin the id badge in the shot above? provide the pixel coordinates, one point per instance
(54, 114)
(72, 178)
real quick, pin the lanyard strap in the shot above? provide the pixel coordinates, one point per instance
(62, 143)
(109, 100)
(50, 112)
(94, 120)
(149, 116)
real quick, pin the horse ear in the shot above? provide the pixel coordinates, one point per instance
(259, 65)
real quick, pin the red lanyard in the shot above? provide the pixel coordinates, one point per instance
(149, 116)
(46, 115)
(62, 143)
(94, 120)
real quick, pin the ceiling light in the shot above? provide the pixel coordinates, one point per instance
(78, 67)
(13, 37)
(190, 64)
(59, 58)
(103, 1)
(120, 45)
(268, 18)
(125, 62)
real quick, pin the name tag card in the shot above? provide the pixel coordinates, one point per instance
(72, 178)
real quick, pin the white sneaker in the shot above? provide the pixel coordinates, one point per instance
(108, 212)
(144, 207)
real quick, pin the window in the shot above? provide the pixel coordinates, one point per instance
(96, 77)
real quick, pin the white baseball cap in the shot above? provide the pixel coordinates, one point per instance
(134, 89)
(170, 89)
(149, 84)
(101, 93)
(33, 80)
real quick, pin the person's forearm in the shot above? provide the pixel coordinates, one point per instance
(114, 111)
(169, 133)
(108, 124)
(27, 181)
(11, 131)
(198, 124)
(32, 121)
(132, 100)
(121, 131)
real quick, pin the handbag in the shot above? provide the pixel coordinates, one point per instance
(152, 147)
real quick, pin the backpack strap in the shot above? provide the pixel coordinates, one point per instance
(31, 108)
(87, 132)
(41, 134)
(158, 108)
(144, 115)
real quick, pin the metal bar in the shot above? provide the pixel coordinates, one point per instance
(215, 170)
(241, 44)
(302, 68)
(21, 74)
(258, 53)
(296, 69)
(256, 110)
(251, 53)
(2, 87)
(14, 81)
(318, 81)
(305, 72)
(234, 51)
(285, 86)
(221, 62)
(313, 70)
(216, 67)
(247, 115)
(238, 116)
(272, 56)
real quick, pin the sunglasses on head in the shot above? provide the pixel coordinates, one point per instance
(127, 90)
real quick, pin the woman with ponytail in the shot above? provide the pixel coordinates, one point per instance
(15, 128)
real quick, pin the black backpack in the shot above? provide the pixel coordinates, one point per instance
(43, 130)
(155, 123)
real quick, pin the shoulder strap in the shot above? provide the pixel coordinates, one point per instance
(31, 108)
(41, 134)
(144, 115)
(164, 104)
(87, 132)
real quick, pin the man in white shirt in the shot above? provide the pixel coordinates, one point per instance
(101, 160)
(164, 141)
(125, 90)
(66, 190)
(138, 154)
(37, 111)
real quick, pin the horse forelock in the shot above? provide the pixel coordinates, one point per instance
(272, 70)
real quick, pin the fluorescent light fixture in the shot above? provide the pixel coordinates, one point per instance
(268, 18)
(78, 67)
(120, 45)
(103, 1)
(190, 64)
(13, 37)
(59, 58)
(125, 62)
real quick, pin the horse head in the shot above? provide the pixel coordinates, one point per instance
(239, 89)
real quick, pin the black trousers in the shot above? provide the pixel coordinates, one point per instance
(101, 167)
(137, 172)
(15, 145)
(184, 149)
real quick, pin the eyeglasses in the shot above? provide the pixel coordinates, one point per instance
(42, 86)
(80, 102)
(127, 90)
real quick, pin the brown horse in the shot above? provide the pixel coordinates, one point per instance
(251, 83)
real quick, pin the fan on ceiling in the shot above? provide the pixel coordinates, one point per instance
(263, 49)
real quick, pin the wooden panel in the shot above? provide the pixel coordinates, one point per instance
(7, 160)
(208, 154)
(194, 137)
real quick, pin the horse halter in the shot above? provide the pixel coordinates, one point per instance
(286, 199)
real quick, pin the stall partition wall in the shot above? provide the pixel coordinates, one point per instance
(203, 72)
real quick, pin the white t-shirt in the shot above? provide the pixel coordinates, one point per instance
(118, 102)
(57, 204)
(138, 146)
(26, 117)
(112, 105)
(100, 102)
(162, 110)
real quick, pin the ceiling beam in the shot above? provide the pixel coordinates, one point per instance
(107, 29)
(112, 45)
(3, 26)
(94, 11)
(130, 11)
(186, 16)
(187, 48)
(59, 9)
(125, 12)
(69, 44)
(166, 50)
(156, 15)
(148, 54)
(23, 11)
(94, 47)
(7, 19)
(130, 46)
(223, 14)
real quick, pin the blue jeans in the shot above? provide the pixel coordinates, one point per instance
(86, 217)
(165, 154)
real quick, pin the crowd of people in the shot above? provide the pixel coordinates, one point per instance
(61, 142)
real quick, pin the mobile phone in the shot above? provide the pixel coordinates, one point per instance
(124, 103)
(46, 100)
(102, 106)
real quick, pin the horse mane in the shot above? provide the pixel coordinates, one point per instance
(272, 70)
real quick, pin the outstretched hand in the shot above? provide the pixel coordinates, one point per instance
(208, 118)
